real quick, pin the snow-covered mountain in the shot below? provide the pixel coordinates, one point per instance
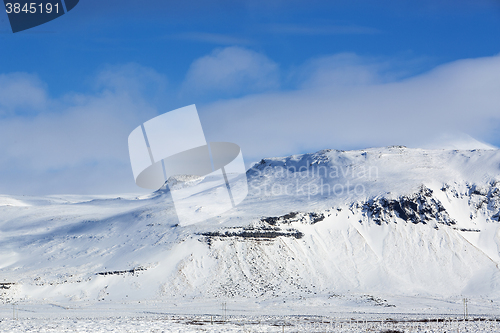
(363, 228)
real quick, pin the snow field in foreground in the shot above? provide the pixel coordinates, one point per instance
(244, 324)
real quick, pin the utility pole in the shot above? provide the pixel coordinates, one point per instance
(466, 311)
(14, 314)
(224, 311)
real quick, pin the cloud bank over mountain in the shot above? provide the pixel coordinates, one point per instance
(356, 104)
(77, 142)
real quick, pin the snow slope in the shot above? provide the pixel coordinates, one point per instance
(381, 229)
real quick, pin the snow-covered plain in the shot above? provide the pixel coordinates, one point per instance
(175, 323)
(369, 234)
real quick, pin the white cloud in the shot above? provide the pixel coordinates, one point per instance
(133, 79)
(460, 97)
(81, 145)
(350, 69)
(460, 141)
(21, 92)
(229, 71)
(344, 69)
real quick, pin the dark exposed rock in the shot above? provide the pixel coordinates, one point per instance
(6, 285)
(467, 230)
(420, 207)
(255, 234)
(132, 271)
(273, 220)
(310, 218)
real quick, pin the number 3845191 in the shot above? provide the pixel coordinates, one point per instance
(32, 8)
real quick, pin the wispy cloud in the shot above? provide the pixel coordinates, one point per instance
(294, 29)
(212, 38)
(348, 69)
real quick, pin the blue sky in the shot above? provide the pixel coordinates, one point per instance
(276, 77)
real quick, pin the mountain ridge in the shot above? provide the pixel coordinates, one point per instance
(425, 223)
